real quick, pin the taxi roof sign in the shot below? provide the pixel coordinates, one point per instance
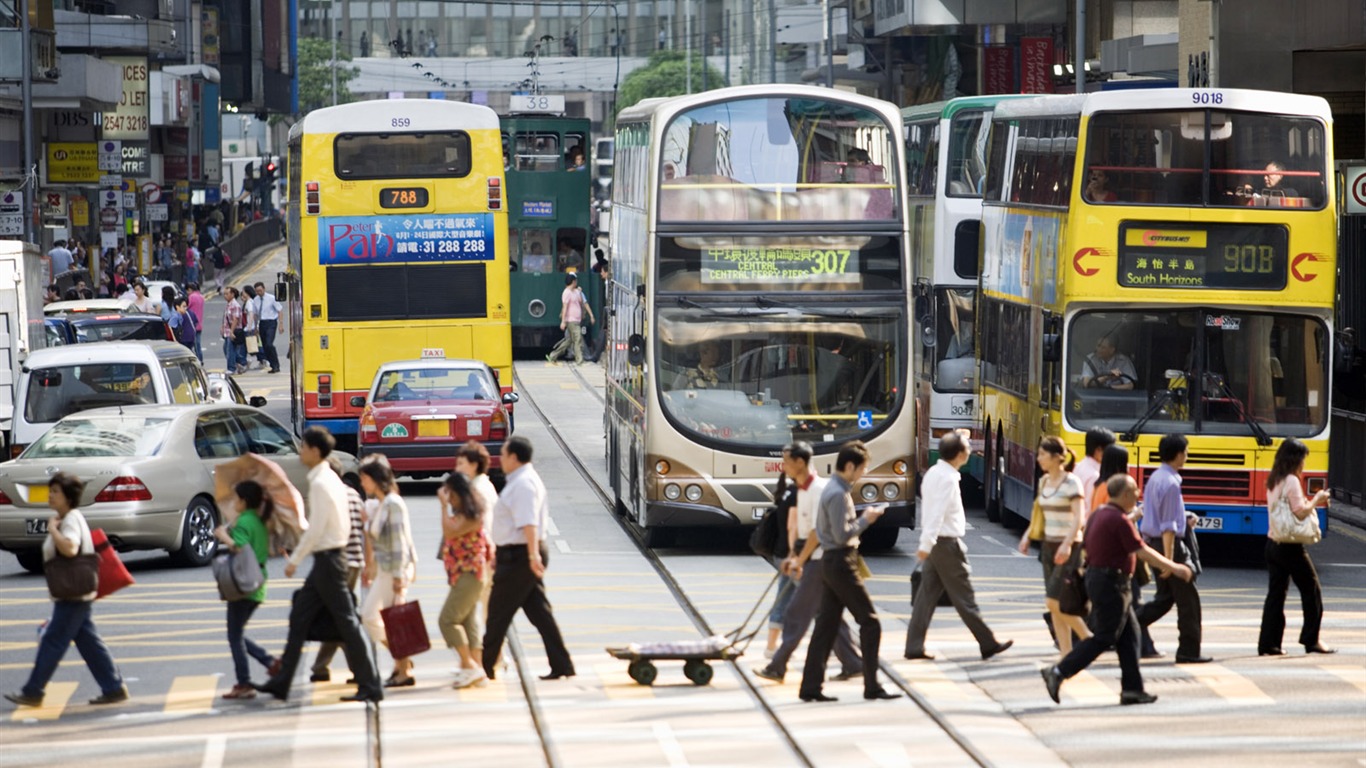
(434, 352)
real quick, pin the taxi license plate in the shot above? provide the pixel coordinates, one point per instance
(37, 494)
(434, 428)
(35, 527)
(1209, 523)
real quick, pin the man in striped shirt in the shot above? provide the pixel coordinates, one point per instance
(355, 561)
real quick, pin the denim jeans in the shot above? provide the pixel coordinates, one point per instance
(230, 355)
(239, 613)
(71, 622)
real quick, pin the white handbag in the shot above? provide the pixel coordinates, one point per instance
(1285, 528)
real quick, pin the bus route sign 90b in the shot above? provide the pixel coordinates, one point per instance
(1244, 257)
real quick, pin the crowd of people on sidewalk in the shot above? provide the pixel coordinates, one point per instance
(493, 551)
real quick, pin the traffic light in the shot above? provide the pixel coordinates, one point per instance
(269, 169)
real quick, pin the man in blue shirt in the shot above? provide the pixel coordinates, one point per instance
(1164, 527)
(838, 527)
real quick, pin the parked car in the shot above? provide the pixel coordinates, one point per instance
(224, 389)
(148, 472)
(419, 411)
(88, 305)
(63, 380)
(59, 331)
(111, 326)
(154, 289)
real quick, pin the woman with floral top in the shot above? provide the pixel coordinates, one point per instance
(467, 554)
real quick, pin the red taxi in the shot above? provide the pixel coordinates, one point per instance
(420, 411)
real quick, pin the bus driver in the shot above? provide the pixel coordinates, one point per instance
(705, 375)
(1107, 368)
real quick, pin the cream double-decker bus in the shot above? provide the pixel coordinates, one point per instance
(758, 296)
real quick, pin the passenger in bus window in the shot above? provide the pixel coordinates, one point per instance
(704, 375)
(1272, 186)
(574, 161)
(568, 257)
(1107, 367)
(1096, 190)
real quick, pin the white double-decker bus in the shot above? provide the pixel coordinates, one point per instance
(758, 295)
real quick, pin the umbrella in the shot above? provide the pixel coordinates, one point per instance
(287, 523)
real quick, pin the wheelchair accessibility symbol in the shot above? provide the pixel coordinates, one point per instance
(865, 419)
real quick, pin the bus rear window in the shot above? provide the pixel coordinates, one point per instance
(402, 155)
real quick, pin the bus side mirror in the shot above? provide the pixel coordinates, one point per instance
(635, 349)
(282, 291)
(640, 291)
(965, 248)
(1052, 348)
(357, 401)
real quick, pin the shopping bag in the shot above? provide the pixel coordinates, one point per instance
(113, 574)
(253, 344)
(405, 630)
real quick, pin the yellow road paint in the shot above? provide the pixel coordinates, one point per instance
(1354, 675)
(617, 683)
(191, 694)
(54, 702)
(331, 692)
(1233, 687)
(495, 691)
(1349, 532)
(1086, 688)
(569, 385)
(930, 680)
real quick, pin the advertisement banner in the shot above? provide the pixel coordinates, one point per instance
(999, 69)
(137, 159)
(130, 119)
(73, 162)
(80, 211)
(398, 239)
(208, 19)
(1036, 65)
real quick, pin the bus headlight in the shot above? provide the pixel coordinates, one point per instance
(890, 491)
(672, 492)
(868, 492)
(694, 493)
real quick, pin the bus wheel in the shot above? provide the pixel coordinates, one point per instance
(879, 539)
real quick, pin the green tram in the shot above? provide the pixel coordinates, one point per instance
(549, 171)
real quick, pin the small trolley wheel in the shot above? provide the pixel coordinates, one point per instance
(643, 671)
(698, 671)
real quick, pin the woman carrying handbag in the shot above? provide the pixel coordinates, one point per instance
(249, 533)
(1287, 559)
(68, 539)
(1059, 502)
(391, 558)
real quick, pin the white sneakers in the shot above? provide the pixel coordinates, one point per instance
(469, 678)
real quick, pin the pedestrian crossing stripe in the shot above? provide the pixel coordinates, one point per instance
(492, 691)
(1354, 675)
(1233, 687)
(192, 694)
(55, 699)
(330, 692)
(617, 683)
(930, 679)
(1086, 688)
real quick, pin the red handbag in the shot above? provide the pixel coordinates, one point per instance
(113, 574)
(405, 630)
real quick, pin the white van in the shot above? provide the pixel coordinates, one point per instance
(60, 381)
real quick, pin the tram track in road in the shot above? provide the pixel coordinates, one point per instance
(938, 717)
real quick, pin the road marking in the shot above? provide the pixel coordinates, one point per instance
(491, 691)
(1233, 687)
(1349, 532)
(214, 750)
(550, 528)
(329, 693)
(569, 385)
(617, 683)
(887, 753)
(1086, 688)
(54, 701)
(930, 680)
(672, 749)
(192, 694)
(1354, 675)
(562, 545)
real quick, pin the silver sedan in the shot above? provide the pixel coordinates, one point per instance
(149, 475)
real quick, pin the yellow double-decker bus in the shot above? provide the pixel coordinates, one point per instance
(397, 249)
(1154, 262)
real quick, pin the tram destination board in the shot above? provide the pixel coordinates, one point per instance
(1243, 257)
(779, 265)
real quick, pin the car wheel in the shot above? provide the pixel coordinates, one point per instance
(197, 542)
(31, 560)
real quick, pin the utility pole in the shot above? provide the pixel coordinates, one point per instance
(26, 95)
(687, 41)
(1079, 55)
(332, 24)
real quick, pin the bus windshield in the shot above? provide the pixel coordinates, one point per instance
(1206, 157)
(763, 379)
(955, 367)
(776, 159)
(1198, 371)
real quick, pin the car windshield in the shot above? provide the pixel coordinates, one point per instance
(1199, 370)
(120, 328)
(63, 390)
(762, 379)
(101, 436)
(401, 384)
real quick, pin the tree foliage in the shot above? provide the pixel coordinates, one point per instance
(315, 74)
(667, 75)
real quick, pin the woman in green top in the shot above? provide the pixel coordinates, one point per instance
(248, 531)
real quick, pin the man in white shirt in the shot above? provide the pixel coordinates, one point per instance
(1088, 469)
(268, 321)
(60, 257)
(804, 546)
(943, 557)
(325, 590)
(519, 525)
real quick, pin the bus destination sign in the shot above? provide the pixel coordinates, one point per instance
(397, 239)
(1210, 256)
(780, 265)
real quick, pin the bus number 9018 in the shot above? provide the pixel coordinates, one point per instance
(403, 197)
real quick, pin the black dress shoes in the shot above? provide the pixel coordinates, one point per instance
(558, 675)
(881, 694)
(1319, 648)
(1000, 648)
(1193, 659)
(369, 698)
(920, 656)
(1270, 652)
(1136, 697)
(817, 696)
(266, 687)
(1052, 679)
